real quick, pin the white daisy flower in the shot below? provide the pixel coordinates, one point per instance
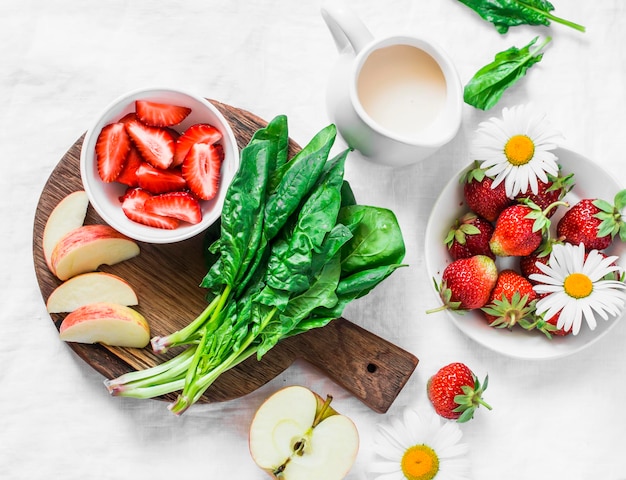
(516, 149)
(577, 287)
(419, 447)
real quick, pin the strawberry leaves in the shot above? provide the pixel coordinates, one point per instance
(470, 399)
(611, 216)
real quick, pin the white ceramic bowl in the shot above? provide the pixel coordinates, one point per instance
(590, 182)
(105, 196)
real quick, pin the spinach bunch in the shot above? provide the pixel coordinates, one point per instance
(488, 84)
(294, 248)
(510, 13)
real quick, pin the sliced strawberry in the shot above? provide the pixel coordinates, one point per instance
(112, 147)
(133, 203)
(201, 169)
(160, 114)
(156, 145)
(181, 205)
(156, 180)
(198, 133)
(132, 116)
(129, 173)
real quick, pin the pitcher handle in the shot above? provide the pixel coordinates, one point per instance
(345, 27)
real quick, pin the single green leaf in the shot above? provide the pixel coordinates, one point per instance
(487, 86)
(300, 175)
(620, 200)
(511, 13)
(377, 238)
(242, 216)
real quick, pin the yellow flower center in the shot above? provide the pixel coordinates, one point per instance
(420, 462)
(519, 150)
(578, 285)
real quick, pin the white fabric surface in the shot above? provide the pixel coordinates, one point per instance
(63, 61)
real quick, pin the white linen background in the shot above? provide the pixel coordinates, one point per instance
(62, 62)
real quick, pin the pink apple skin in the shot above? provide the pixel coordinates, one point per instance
(104, 322)
(90, 287)
(87, 247)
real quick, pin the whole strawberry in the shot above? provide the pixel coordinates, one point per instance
(594, 222)
(528, 263)
(466, 283)
(481, 198)
(511, 300)
(520, 229)
(549, 192)
(469, 236)
(455, 392)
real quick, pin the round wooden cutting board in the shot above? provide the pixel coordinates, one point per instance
(166, 279)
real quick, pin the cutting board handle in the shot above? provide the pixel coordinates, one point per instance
(371, 368)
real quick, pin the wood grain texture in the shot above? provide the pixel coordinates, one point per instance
(166, 279)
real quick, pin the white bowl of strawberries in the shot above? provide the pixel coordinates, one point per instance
(156, 164)
(589, 182)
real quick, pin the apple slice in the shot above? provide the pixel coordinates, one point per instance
(108, 323)
(295, 435)
(92, 287)
(87, 247)
(69, 214)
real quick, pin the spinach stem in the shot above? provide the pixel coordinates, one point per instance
(123, 381)
(162, 344)
(554, 18)
(192, 372)
(197, 386)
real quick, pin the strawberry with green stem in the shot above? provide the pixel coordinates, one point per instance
(521, 228)
(511, 300)
(469, 236)
(549, 192)
(594, 222)
(466, 283)
(481, 197)
(456, 393)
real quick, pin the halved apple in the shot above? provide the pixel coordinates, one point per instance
(108, 323)
(92, 287)
(296, 435)
(87, 247)
(68, 214)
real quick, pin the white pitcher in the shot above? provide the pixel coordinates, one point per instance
(397, 99)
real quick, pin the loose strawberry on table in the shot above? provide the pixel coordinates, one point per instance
(456, 393)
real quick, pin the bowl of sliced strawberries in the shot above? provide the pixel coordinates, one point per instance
(156, 164)
(491, 293)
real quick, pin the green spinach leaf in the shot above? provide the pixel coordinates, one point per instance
(376, 238)
(510, 13)
(487, 86)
